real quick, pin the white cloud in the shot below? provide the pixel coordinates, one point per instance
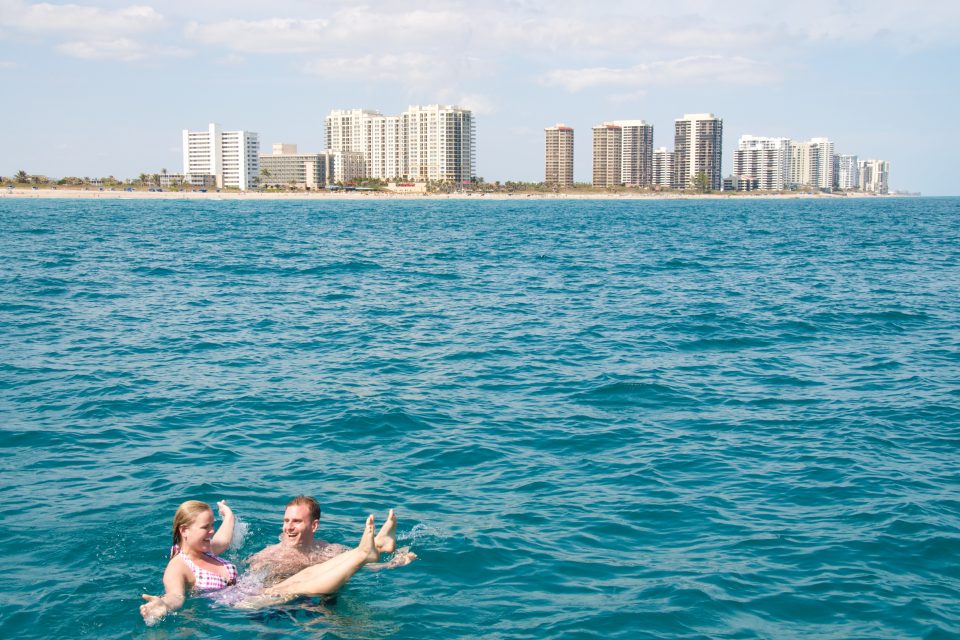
(700, 69)
(359, 28)
(276, 35)
(78, 19)
(7, 64)
(119, 49)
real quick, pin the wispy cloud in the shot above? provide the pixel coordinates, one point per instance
(360, 28)
(119, 49)
(78, 19)
(702, 69)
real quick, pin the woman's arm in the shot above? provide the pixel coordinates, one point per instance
(221, 539)
(174, 581)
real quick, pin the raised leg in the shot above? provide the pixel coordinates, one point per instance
(386, 540)
(330, 576)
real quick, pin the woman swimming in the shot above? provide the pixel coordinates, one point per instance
(195, 566)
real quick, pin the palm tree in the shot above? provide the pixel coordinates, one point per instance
(701, 182)
(22, 176)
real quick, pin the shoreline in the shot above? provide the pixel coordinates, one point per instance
(382, 195)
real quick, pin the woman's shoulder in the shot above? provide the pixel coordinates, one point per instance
(176, 565)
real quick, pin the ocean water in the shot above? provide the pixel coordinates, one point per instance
(600, 419)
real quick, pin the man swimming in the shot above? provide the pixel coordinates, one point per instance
(298, 548)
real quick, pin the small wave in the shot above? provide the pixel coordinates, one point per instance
(679, 263)
(350, 266)
(630, 393)
(154, 271)
(723, 344)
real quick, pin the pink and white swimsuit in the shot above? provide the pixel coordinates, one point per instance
(207, 580)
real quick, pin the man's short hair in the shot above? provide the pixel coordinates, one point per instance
(309, 502)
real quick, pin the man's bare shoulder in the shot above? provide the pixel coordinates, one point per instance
(322, 550)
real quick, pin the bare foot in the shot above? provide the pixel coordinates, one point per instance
(402, 557)
(386, 540)
(367, 546)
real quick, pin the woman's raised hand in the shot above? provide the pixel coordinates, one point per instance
(224, 509)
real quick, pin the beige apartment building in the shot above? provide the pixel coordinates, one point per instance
(558, 161)
(623, 154)
(607, 148)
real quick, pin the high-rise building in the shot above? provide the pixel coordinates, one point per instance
(230, 156)
(698, 145)
(434, 142)
(874, 176)
(846, 172)
(766, 160)
(811, 164)
(384, 147)
(623, 154)
(558, 156)
(607, 150)
(636, 153)
(439, 143)
(662, 167)
(346, 129)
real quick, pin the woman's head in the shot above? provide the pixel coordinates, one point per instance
(193, 525)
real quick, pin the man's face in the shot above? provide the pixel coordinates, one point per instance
(298, 528)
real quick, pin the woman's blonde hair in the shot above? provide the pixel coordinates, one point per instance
(184, 517)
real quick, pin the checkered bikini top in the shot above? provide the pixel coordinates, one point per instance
(207, 580)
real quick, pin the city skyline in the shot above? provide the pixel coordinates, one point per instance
(106, 87)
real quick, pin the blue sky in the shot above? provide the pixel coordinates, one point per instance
(103, 87)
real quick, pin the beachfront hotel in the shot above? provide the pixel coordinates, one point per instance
(623, 154)
(764, 159)
(231, 157)
(558, 160)
(698, 148)
(426, 143)
(284, 167)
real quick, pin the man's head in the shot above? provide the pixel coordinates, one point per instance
(300, 522)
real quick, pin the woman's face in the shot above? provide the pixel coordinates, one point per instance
(197, 535)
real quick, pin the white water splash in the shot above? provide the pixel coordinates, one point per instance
(240, 531)
(418, 532)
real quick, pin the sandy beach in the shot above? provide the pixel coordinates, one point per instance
(62, 193)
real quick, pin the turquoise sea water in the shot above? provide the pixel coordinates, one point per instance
(688, 419)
